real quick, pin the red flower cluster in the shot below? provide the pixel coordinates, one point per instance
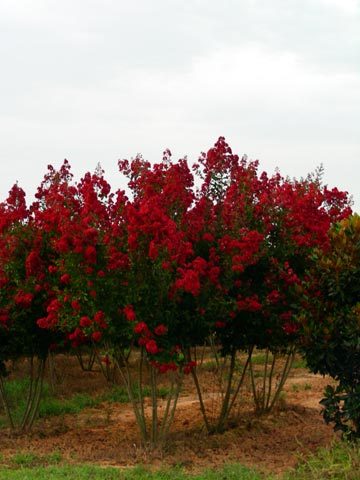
(129, 313)
(163, 267)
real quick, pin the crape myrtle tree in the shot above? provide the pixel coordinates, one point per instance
(24, 296)
(78, 220)
(232, 237)
(303, 212)
(75, 216)
(247, 310)
(261, 232)
(332, 330)
(161, 262)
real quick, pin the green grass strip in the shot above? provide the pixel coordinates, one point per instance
(230, 472)
(341, 462)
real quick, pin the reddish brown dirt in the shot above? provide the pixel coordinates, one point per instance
(108, 435)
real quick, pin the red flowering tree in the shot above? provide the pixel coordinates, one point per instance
(260, 236)
(81, 220)
(303, 212)
(233, 220)
(159, 252)
(24, 296)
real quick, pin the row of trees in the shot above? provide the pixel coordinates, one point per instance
(221, 253)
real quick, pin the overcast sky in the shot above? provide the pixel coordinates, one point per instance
(98, 80)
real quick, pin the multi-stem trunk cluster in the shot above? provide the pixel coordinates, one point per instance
(154, 427)
(28, 416)
(267, 391)
(230, 384)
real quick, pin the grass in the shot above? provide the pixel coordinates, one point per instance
(256, 359)
(341, 462)
(229, 472)
(209, 366)
(29, 459)
(51, 405)
(259, 359)
(119, 394)
(299, 362)
(297, 387)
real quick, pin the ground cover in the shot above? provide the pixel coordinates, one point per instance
(88, 421)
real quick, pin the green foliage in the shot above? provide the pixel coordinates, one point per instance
(342, 407)
(332, 329)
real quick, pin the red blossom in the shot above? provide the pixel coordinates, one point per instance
(75, 305)
(32, 263)
(151, 347)
(250, 304)
(274, 296)
(220, 324)
(166, 367)
(96, 336)
(85, 322)
(90, 254)
(290, 328)
(153, 251)
(160, 330)
(189, 282)
(65, 279)
(140, 328)
(99, 318)
(129, 313)
(23, 299)
(208, 237)
(54, 306)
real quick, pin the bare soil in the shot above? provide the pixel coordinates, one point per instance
(108, 435)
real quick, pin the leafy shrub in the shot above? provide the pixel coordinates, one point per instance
(332, 330)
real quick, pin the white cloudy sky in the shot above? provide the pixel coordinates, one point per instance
(98, 80)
